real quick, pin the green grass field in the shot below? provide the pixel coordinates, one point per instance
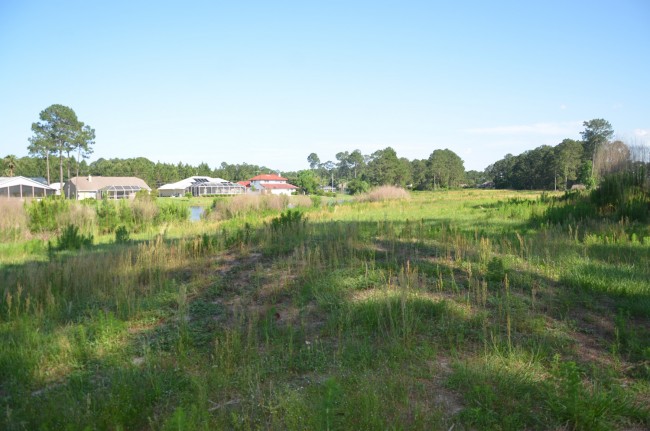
(449, 310)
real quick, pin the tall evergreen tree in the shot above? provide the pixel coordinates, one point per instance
(57, 131)
(597, 132)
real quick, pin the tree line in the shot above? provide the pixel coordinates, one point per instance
(61, 137)
(357, 172)
(570, 162)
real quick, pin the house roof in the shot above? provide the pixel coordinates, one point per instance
(244, 183)
(96, 183)
(14, 181)
(278, 186)
(187, 182)
(268, 177)
(41, 180)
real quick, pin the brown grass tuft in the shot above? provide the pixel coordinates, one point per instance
(251, 202)
(144, 211)
(13, 222)
(384, 193)
(300, 201)
(80, 215)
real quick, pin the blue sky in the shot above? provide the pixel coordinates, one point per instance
(269, 82)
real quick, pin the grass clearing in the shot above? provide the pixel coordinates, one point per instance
(447, 309)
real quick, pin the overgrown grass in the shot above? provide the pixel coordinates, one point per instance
(383, 193)
(448, 309)
(13, 221)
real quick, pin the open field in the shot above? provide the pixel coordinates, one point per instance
(448, 309)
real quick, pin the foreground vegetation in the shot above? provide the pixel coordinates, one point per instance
(464, 309)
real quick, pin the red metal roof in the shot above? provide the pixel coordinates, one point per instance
(268, 177)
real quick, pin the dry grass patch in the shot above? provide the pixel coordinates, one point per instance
(384, 193)
(14, 220)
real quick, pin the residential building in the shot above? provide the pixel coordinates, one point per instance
(104, 187)
(272, 184)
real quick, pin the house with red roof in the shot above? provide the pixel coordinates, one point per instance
(272, 184)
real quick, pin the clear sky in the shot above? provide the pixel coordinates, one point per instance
(269, 82)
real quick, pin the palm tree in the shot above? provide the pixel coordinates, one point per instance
(12, 162)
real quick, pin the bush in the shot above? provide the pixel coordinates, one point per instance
(107, 216)
(172, 212)
(316, 201)
(71, 239)
(624, 195)
(43, 214)
(144, 195)
(288, 220)
(122, 235)
(357, 186)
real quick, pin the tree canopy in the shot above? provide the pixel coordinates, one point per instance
(597, 132)
(59, 132)
(570, 161)
(445, 169)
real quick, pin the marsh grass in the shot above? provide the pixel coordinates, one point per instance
(450, 309)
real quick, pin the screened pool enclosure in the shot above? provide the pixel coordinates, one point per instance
(118, 192)
(203, 187)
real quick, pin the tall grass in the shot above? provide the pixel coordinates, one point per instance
(14, 222)
(383, 193)
(447, 310)
(242, 205)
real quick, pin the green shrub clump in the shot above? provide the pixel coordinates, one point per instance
(71, 239)
(43, 214)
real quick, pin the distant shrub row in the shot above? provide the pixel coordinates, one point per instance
(19, 221)
(620, 196)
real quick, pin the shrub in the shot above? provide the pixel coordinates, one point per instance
(172, 212)
(288, 220)
(43, 214)
(107, 216)
(71, 239)
(125, 214)
(496, 269)
(624, 195)
(122, 235)
(144, 195)
(357, 186)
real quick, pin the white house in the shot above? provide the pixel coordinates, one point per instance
(22, 187)
(272, 184)
(98, 187)
(201, 186)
